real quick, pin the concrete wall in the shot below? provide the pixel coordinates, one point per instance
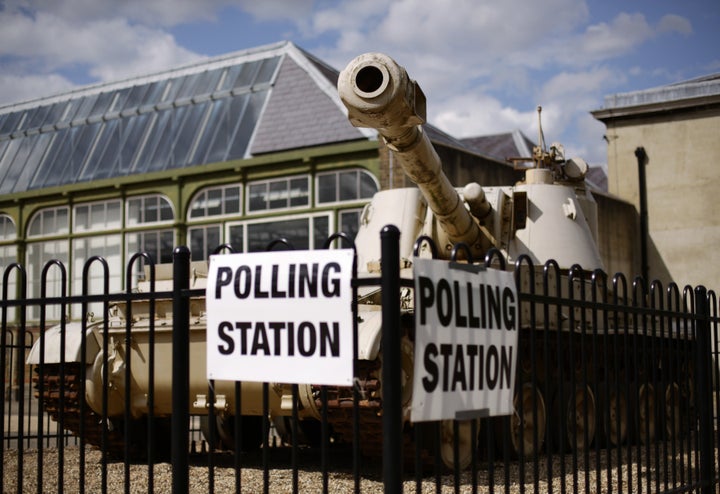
(683, 174)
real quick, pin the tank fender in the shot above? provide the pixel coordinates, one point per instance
(369, 331)
(73, 341)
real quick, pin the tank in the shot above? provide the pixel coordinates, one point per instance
(548, 215)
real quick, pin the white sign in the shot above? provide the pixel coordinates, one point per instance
(281, 317)
(466, 338)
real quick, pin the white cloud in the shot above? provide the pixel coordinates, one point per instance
(674, 23)
(17, 88)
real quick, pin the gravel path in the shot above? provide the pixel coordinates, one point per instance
(310, 478)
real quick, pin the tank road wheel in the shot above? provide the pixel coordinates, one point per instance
(645, 412)
(466, 443)
(528, 430)
(614, 417)
(580, 417)
(672, 410)
(251, 437)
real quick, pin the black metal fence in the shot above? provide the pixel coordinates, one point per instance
(615, 392)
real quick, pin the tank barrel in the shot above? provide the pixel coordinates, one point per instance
(379, 94)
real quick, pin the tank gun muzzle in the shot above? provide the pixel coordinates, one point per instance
(379, 94)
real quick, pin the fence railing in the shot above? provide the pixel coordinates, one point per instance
(615, 392)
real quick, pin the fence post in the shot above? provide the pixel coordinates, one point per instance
(704, 391)
(391, 348)
(180, 371)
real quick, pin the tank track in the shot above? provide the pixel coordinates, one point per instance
(73, 416)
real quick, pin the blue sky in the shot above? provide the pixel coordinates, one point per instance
(485, 65)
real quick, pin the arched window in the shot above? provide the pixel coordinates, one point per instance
(43, 246)
(345, 186)
(8, 255)
(211, 202)
(145, 211)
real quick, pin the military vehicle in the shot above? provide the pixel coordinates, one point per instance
(551, 214)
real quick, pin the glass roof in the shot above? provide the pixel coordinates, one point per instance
(201, 117)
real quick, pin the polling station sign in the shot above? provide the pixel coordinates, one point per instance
(466, 338)
(281, 317)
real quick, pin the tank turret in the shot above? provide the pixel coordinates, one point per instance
(379, 94)
(548, 215)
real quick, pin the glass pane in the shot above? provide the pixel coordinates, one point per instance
(118, 101)
(30, 167)
(132, 131)
(368, 187)
(326, 188)
(85, 106)
(157, 130)
(36, 117)
(350, 222)
(321, 231)
(198, 206)
(187, 134)
(102, 104)
(50, 170)
(102, 160)
(299, 192)
(267, 70)
(247, 74)
(296, 231)
(236, 235)
(113, 214)
(10, 123)
(348, 186)
(166, 212)
(82, 147)
(256, 197)
(278, 194)
(82, 218)
(55, 113)
(250, 116)
(232, 200)
(166, 246)
(225, 110)
(62, 222)
(135, 98)
(214, 202)
(188, 87)
(10, 180)
(154, 93)
(134, 212)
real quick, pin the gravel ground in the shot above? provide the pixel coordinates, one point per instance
(340, 480)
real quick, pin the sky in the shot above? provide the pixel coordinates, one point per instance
(484, 65)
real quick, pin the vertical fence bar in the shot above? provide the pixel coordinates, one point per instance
(180, 370)
(704, 392)
(391, 337)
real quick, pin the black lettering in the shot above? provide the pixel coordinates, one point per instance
(472, 351)
(492, 370)
(459, 370)
(331, 286)
(260, 340)
(224, 277)
(277, 327)
(276, 293)
(509, 305)
(444, 302)
(473, 320)
(243, 273)
(291, 281)
(223, 329)
(306, 346)
(446, 351)
(493, 307)
(308, 280)
(505, 367)
(291, 339)
(426, 298)
(258, 291)
(460, 319)
(326, 340)
(430, 381)
(243, 327)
